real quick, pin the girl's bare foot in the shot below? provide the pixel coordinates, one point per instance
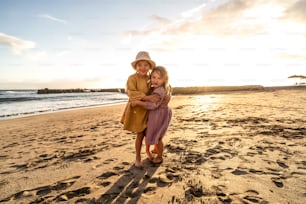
(155, 150)
(138, 164)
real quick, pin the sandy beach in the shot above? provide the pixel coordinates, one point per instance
(231, 147)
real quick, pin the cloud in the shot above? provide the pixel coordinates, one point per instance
(227, 19)
(194, 11)
(219, 19)
(251, 22)
(195, 25)
(160, 20)
(296, 57)
(297, 11)
(52, 18)
(17, 45)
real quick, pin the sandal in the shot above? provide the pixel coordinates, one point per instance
(150, 158)
(157, 160)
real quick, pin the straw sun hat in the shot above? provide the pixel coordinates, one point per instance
(143, 55)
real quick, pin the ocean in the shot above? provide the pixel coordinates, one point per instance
(21, 103)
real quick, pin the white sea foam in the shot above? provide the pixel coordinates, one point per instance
(20, 103)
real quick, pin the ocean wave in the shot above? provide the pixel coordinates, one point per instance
(18, 99)
(20, 104)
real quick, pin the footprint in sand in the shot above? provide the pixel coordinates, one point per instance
(193, 157)
(107, 175)
(108, 161)
(149, 190)
(278, 183)
(282, 164)
(71, 194)
(253, 197)
(255, 171)
(105, 183)
(42, 193)
(80, 155)
(196, 193)
(239, 172)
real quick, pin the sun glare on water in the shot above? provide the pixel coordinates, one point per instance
(207, 101)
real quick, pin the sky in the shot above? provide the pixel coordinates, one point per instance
(91, 43)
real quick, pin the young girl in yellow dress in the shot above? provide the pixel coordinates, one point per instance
(134, 119)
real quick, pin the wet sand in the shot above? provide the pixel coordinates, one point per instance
(233, 147)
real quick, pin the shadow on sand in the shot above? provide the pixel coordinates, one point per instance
(131, 185)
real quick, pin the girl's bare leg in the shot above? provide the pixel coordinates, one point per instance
(138, 144)
(160, 148)
(149, 154)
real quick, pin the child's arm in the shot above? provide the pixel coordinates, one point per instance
(145, 104)
(132, 91)
(166, 100)
(148, 105)
(156, 98)
(158, 93)
(138, 103)
(151, 98)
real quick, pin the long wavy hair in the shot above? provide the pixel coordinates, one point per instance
(164, 74)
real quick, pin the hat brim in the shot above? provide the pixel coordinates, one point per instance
(151, 62)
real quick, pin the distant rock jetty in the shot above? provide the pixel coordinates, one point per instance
(54, 91)
(209, 89)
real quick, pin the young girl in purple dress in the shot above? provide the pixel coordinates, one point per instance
(159, 115)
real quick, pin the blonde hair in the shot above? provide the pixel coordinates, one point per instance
(164, 74)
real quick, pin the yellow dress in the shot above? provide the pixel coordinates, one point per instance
(135, 118)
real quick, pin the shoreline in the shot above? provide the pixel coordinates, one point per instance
(56, 111)
(201, 90)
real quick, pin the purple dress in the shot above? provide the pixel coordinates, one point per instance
(159, 118)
